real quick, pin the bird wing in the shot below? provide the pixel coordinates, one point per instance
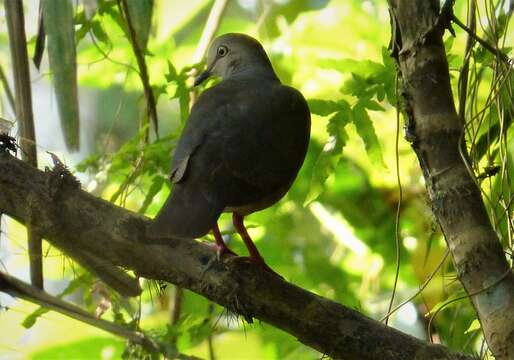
(191, 209)
(244, 141)
(268, 150)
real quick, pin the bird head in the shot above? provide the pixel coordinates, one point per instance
(235, 53)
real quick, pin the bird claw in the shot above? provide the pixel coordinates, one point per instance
(220, 252)
(223, 250)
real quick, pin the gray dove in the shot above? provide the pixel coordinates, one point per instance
(241, 148)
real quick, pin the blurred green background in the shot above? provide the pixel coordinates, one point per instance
(333, 234)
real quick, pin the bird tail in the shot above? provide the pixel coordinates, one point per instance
(185, 214)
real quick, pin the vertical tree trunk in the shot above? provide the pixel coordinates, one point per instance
(25, 119)
(435, 130)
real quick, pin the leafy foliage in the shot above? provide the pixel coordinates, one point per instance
(334, 232)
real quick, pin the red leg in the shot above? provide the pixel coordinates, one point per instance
(221, 247)
(255, 256)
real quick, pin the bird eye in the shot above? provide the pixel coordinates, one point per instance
(222, 51)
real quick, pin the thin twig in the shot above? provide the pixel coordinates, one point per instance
(485, 288)
(20, 289)
(177, 305)
(464, 73)
(421, 288)
(399, 207)
(210, 343)
(482, 42)
(176, 310)
(151, 105)
(266, 10)
(211, 26)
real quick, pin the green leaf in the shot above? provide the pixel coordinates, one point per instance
(366, 131)
(497, 126)
(80, 18)
(451, 301)
(31, 319)
(157, 184)
(387, 59)
(331, 155)
(92, 347)
(73, 285)
(82, 32)
(140, 12)
(448, 44)
(59, 27)
(172, 74)
(99, 32)
(110, 8)
(337, 123)
(357, 86)
(381, 94)
(323, 107)
(361, 68)
(372, 105)
(287, 11)
(474, 326)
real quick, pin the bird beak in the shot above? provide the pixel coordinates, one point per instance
(202, 77)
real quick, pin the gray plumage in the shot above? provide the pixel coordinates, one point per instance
(242, 147)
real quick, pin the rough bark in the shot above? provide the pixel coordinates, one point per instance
(79, 223)
(435, 131)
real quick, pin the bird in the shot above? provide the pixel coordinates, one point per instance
(241, 148)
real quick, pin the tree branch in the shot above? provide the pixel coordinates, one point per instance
(19, 289)
(151, 106)
(436, 131)
(117, 235)
(471, 33)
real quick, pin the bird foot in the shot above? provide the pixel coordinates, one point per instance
(221, 250)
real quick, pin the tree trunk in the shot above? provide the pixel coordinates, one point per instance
(436, 133)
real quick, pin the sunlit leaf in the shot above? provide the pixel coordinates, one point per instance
(141, 18)
(367, 133)
(323, 107)
(372, 105)
(362, 68)
(172, 74)
(73, 285)
(474, 326)
(497, 126)
(357, 86)
(110, 8)
(85, 26)
(452, 301)
(157, 184)
(331, 155)
(289, 10)
(31, 319)
(59, 27)
(99, 32)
